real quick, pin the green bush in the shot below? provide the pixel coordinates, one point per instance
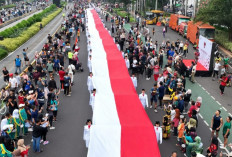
(3, 53)
(27, 23)
(222, 38)
(12, 44)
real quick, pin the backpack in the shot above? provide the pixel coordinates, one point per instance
(18, 62)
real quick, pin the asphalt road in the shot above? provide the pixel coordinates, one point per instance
(67, 138)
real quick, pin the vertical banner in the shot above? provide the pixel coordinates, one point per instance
(205, 50)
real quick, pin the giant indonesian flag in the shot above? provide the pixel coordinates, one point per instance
(121, 127)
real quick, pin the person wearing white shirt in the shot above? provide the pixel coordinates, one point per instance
(87, 128)
(92, 99)
(89, 46)
(13, 82)
(118, 46)
(127, 62)
(90, 63)
(160, 79)
(134, 64)
(158, 132)
(71, 68)
(216, 68)
(123, 55)
(134, 80)
(90, 82)
(143, 98)
(90, 52)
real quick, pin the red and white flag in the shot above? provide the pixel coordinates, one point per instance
(121, 127)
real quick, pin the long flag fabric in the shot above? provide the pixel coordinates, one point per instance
(121, 127)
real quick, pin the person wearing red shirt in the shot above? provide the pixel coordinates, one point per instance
(223, 81)
(156, 72)
(21, 97)
(193, 107)
(61, 74)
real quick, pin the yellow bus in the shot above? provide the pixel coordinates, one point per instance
(152, 17)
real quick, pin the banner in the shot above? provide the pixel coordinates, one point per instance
(205, 49)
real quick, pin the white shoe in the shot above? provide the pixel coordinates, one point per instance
(52, 128)
(155, 110)
(222, 147)
(41, 141)
(147, 79)
(31, 140)
(150, 106)
(30, 129)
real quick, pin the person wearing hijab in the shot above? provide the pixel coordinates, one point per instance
(23, 117)
(10, 121)
(196, 146)
(16, 122)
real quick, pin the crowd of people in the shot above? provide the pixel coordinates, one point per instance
(32, 97)
(169, 93)
(20, 9)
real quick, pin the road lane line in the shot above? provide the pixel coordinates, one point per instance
(219, 103)
(210, 129)
(219, 140)
(206, 123)
(224, 108)
(200, 116)
(203, 88)
(212, 97)
(230, 114)
(199, 84)
(207, 92)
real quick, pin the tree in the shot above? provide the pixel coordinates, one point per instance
(216, 12)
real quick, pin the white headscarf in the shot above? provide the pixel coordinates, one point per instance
(16, 113)
(4, 122)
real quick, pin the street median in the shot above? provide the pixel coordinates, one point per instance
(25, 30)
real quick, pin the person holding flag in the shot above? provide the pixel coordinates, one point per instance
(16, 122)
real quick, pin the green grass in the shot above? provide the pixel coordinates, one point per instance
(8, 6)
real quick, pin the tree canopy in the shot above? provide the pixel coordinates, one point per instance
(217, 12)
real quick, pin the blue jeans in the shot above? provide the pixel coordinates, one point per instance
(18, 68)
(36, 144)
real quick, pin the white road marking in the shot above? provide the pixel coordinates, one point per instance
(212, 97)
(208, 92)
(224, 108)
(203, 88)
(206, 123)
(219, 140)
(230, 114)
(219, 103)
(200, 116)
(199, 84)
(210, 129)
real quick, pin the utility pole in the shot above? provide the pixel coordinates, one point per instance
(185, 7)
(156, 3)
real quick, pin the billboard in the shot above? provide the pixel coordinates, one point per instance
(205, 50)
